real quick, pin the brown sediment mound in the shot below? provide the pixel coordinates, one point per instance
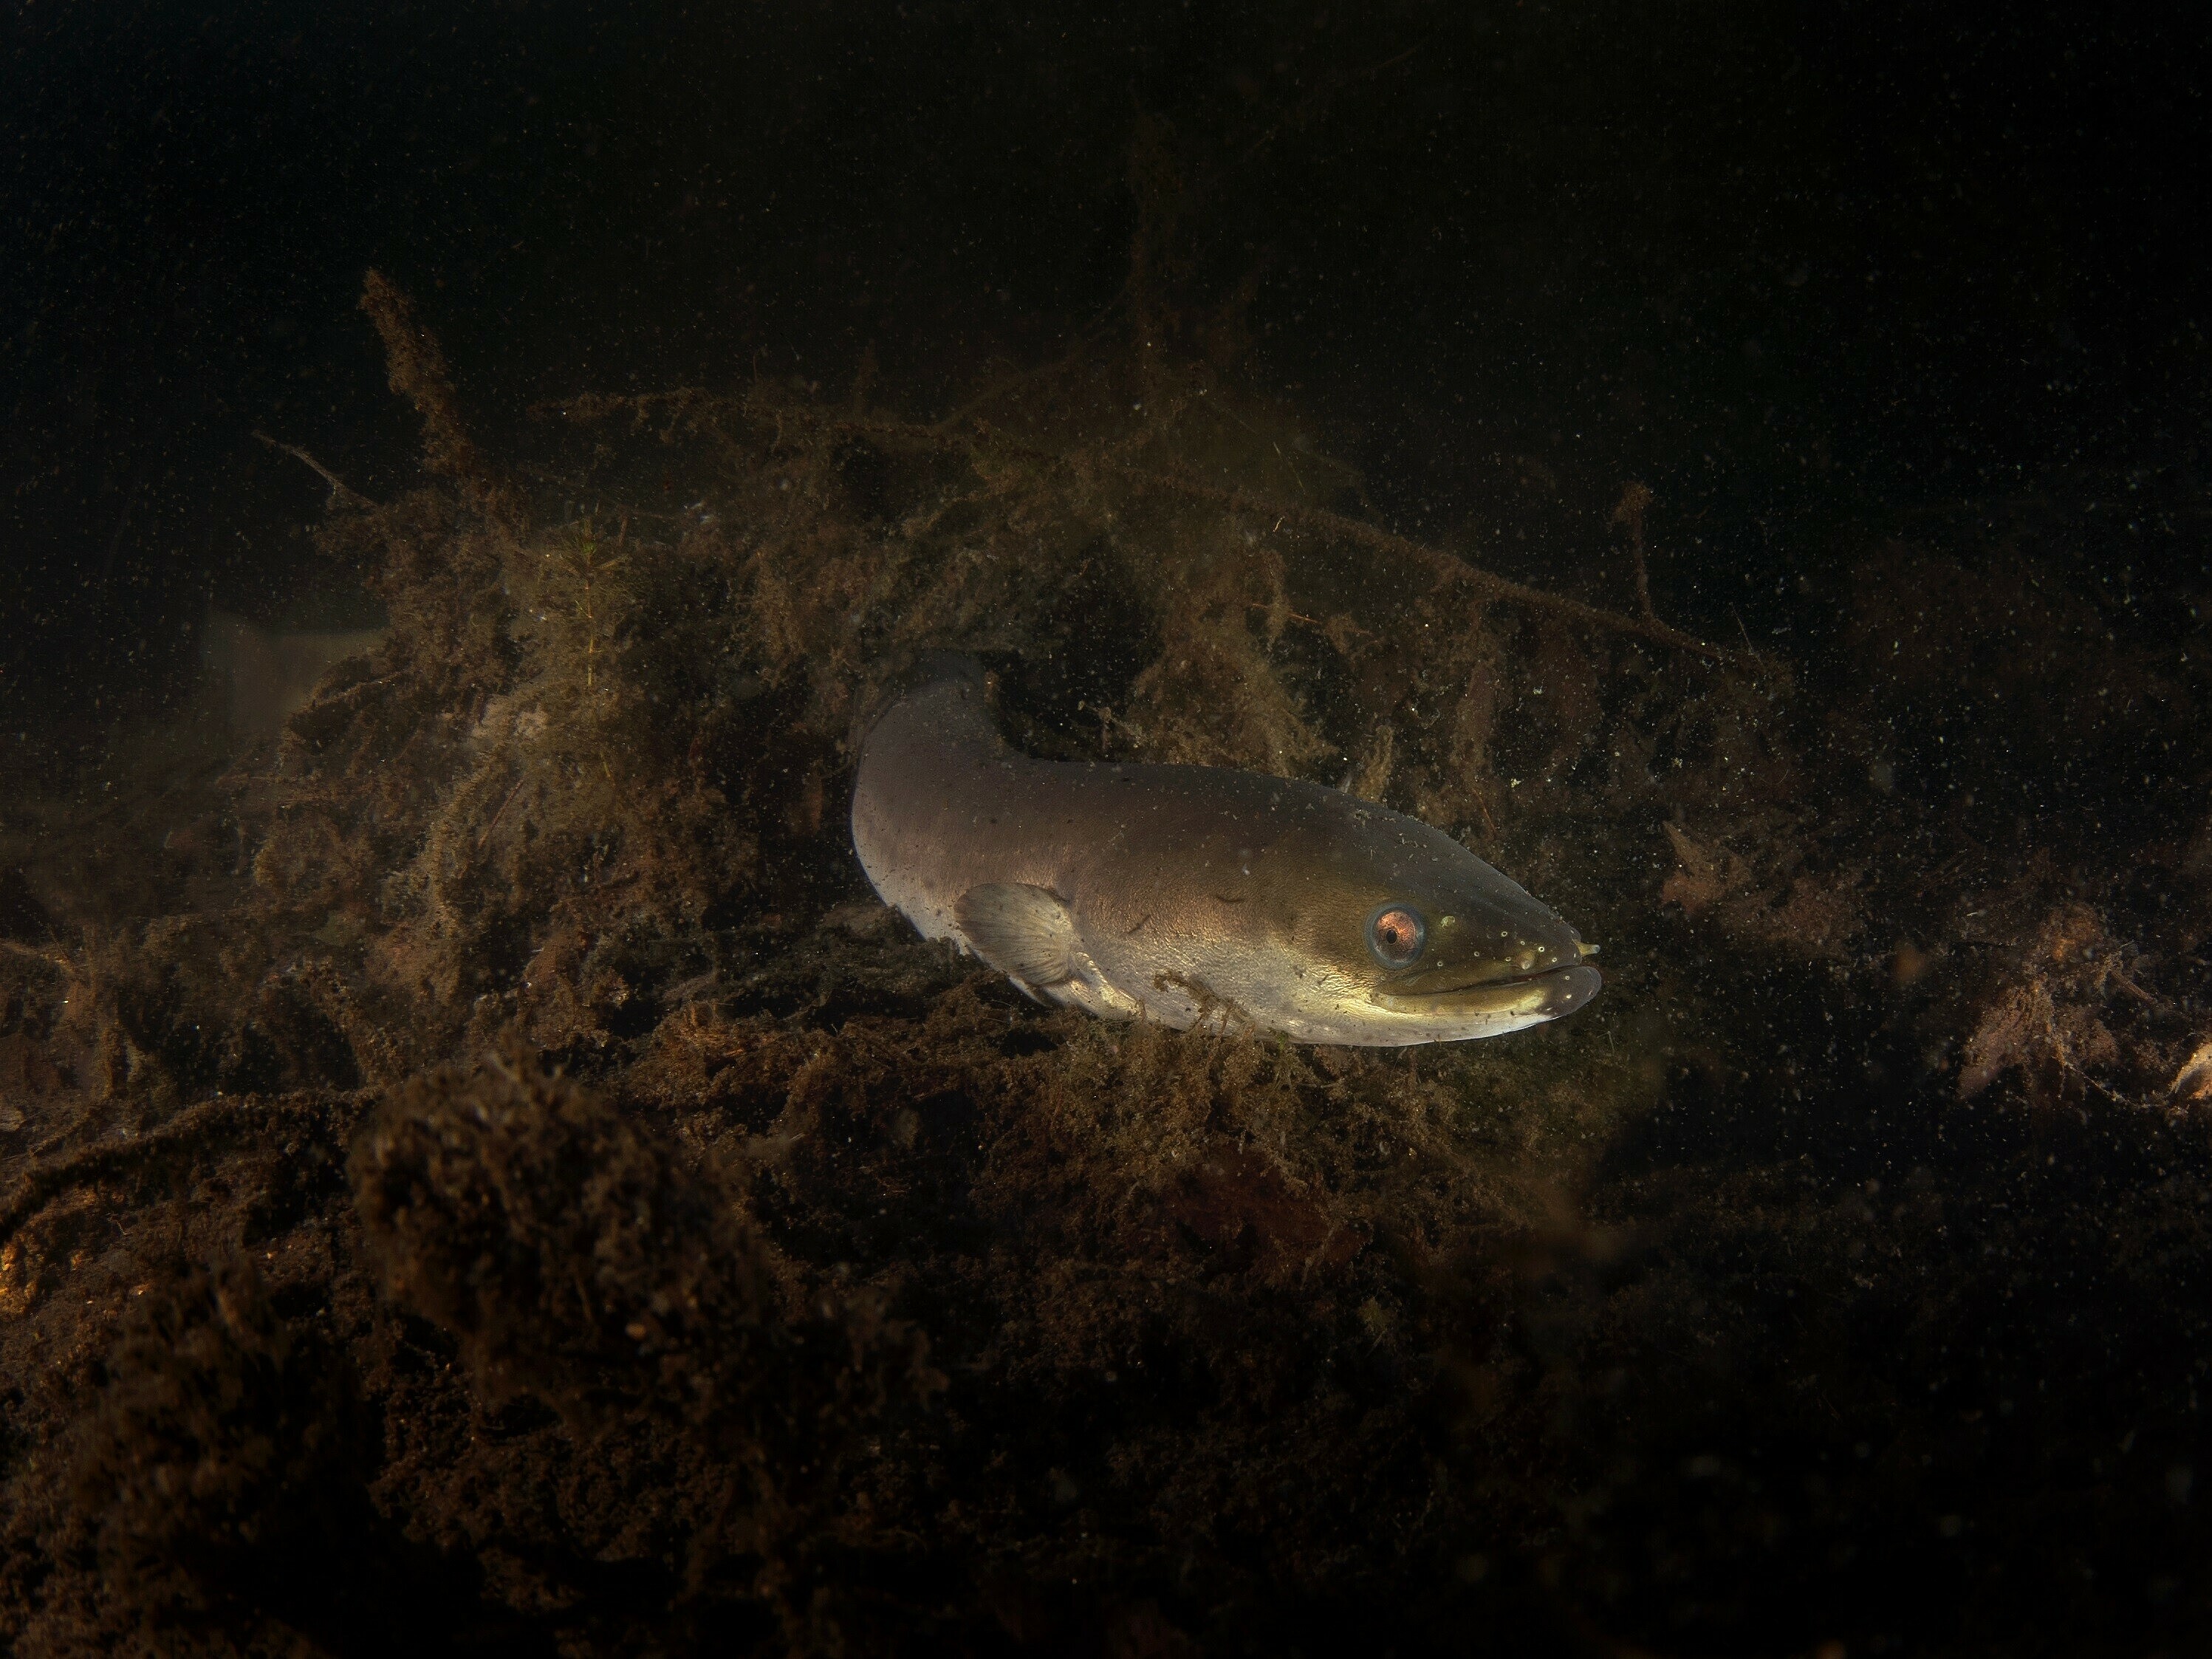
(488, 1155)
(225, 1453)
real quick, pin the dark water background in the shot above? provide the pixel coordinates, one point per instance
(1794, 267)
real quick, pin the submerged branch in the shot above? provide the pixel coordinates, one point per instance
(342, 494)
(937, 438)
(419, 374)
(210, 1120)
(1449, 567)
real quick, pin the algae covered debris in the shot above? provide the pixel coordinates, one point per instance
(483, 1152)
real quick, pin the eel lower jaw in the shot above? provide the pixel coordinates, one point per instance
(1551, 994)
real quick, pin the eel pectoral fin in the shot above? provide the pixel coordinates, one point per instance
(1023, 932)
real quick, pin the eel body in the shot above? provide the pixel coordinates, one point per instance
(1194, 895)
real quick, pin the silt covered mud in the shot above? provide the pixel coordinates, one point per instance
(484, 1173)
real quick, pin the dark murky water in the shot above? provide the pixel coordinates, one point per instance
(481, 1170)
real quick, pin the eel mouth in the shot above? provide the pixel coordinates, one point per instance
(1551, 994)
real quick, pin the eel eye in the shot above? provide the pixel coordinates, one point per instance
(1396, 935)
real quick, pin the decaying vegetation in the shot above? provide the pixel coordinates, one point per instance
(487, 1157)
